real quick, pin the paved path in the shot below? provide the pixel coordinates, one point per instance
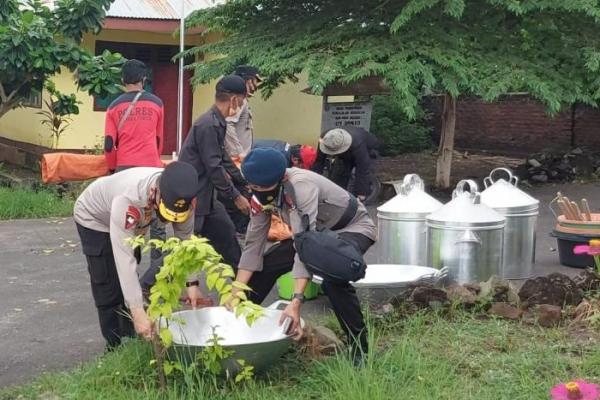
(47, 318)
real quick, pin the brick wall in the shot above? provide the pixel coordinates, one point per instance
(587, 127)
(518, 124)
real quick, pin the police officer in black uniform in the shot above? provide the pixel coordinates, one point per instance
(346, 149)
(204, 148)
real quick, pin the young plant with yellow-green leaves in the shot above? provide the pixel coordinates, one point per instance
(183, 259)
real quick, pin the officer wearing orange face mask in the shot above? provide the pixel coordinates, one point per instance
(204, 148)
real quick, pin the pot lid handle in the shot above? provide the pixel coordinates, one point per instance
(410, 183)
(460, 188)
(512, 179)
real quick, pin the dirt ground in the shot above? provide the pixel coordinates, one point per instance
(465, 165)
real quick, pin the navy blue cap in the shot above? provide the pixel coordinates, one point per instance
(178, 186)
(247, 72)
(232, 84)
(264, 167)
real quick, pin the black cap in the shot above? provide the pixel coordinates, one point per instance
(232, 84)
(178, 186)
(247, 72)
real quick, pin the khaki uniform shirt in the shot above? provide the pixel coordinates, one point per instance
(238, 138)
(118, 204)
(322, 200)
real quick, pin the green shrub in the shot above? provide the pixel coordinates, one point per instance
(397, 134)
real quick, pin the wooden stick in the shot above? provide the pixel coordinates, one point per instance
(563, 209)
(577, 211)
(570, 208)
(586, 209)
(564, 203)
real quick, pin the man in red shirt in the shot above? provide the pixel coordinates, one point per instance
(134, 123)
(134, 138)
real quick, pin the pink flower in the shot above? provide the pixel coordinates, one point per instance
(581, 249)
(575, 390)
(585, 249)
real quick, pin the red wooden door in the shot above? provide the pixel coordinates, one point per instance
(164, 85)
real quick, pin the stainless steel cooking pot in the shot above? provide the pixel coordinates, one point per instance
(260, 345)
(521, 213)
(466, 236)
(401, 224)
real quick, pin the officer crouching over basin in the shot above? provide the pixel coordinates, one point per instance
(115, 208)
(304, 199)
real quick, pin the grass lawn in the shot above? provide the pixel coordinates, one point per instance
(17, 203)
(422, 357)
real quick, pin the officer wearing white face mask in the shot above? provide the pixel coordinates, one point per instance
(204, 148)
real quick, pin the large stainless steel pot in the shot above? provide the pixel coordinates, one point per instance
(466, 236)
(260, 345)
(401, 224)
(521, 213)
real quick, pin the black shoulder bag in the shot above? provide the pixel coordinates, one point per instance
(323, 251)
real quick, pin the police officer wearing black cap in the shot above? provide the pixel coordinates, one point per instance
(204, 148)
(121, 206)
(240, 130)
(239, 138)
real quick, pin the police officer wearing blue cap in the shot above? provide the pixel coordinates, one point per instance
(292, 193)
(204, 148)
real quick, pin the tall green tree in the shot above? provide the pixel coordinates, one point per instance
(484, 48)
(37, 41)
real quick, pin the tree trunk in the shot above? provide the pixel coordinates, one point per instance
(446, 148)
(4, 108)
(159, 353)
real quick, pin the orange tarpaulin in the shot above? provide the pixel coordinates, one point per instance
(63, 167)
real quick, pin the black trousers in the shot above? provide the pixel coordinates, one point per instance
(341, 172)
(344, 301)
(106, 289)
(218, 228)
(239, 219)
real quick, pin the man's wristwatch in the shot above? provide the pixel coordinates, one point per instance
(298, 296)
(192, 283)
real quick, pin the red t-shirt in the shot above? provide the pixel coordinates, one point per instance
(139, 142)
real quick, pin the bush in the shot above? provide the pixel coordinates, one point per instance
(397, 134)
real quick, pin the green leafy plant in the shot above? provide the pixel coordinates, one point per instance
(452, 48)
(36, 42)
(215, 353)
(184, 258)
(98, 74)
(397, 133)
(59, 108)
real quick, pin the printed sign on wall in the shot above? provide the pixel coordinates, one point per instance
(336, 115)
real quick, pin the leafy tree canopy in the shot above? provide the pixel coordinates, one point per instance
(548, 48)
(36, 42)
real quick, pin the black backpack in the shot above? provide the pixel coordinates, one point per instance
(324, 253)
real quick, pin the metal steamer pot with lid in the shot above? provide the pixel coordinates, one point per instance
(401, 224)
(521, 213)
(466, 236)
